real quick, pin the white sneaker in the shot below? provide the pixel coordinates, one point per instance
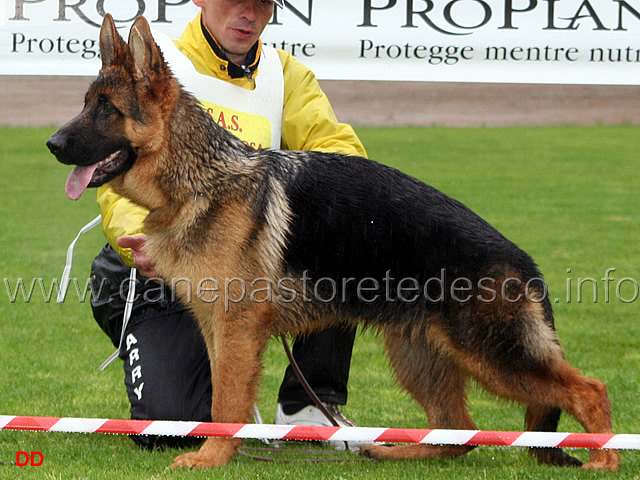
(312, 416)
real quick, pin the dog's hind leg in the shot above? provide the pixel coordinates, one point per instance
(545, 386)
(436, 383)
(584, 398)
(587, 401)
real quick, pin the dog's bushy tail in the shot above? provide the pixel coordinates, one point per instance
(545, 419)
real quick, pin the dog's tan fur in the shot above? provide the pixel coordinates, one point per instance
(202, 188)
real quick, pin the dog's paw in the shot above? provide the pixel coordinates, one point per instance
(603, 460)
(192, 460)
(376, 452)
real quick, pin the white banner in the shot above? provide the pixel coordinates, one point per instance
(515, 41)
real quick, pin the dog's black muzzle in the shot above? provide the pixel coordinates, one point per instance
(56, 145)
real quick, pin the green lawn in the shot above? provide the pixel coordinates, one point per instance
(567, 195)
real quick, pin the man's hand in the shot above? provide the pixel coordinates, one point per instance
(143, 263)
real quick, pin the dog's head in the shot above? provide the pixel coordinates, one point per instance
(124, 117)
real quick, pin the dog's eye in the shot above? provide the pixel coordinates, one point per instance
(107, 106)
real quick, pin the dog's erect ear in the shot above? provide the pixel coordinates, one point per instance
(143, 48)
(111, 43)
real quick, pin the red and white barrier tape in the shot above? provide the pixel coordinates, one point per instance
(349, 434)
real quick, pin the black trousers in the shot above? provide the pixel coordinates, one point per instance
(166, 366)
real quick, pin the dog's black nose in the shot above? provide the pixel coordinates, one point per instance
(55, 143)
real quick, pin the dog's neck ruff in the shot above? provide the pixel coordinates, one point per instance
(254, 116)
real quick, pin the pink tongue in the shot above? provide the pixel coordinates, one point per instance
(78, 180)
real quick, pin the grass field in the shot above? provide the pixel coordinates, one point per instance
(568, 196)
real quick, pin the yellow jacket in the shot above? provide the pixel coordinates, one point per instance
(308, 123)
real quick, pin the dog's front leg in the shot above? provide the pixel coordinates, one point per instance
(235, 344)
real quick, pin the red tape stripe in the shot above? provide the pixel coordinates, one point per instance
(227, 430)
(494, 438)
(125, 427)
(311, 433)
(31, 423)
(403, 435)
(586, 440)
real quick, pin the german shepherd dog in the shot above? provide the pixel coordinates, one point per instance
(342, 241)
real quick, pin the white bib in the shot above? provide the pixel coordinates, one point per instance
(254, 116)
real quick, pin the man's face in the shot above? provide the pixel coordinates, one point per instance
(236, 24)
